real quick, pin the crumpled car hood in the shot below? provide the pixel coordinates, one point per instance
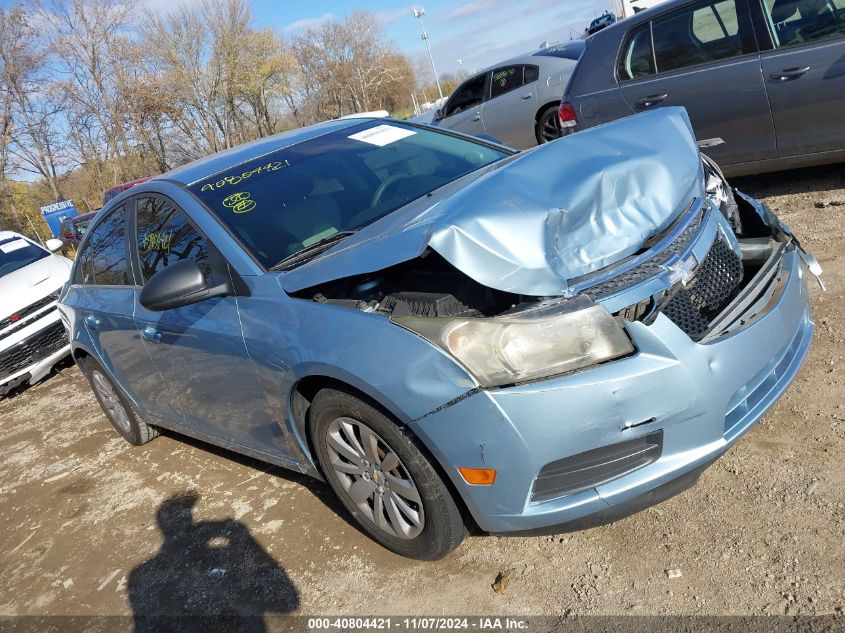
(532, 223)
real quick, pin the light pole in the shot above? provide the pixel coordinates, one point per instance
(418, 13)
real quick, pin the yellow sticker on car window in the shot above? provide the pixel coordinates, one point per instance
(240, 202)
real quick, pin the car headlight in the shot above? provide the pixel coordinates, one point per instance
(528, 345)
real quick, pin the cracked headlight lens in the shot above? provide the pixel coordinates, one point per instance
(529, 345)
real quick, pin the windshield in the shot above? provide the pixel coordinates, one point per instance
(16, 252)
(297, 197)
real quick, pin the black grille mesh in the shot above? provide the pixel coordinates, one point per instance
(716, 282)
(33, 349)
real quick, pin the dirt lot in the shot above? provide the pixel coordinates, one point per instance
(92, 525)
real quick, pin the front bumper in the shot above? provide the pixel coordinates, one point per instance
(703, 397)
(28, 354)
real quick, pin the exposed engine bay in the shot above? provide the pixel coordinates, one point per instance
(426, 286)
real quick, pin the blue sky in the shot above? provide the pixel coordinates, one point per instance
(479, 32)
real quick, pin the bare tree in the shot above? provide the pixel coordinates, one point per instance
(97, 92)
(347, 67)
(91, 40)
(35, 105)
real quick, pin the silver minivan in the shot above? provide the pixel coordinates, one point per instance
(763, 81)
(515, 102)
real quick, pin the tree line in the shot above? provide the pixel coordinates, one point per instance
(94, 93)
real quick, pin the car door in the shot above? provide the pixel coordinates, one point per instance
(462, 111)
(104, 296)
(703, 56)
(805, 74)
(508, 114)
(207, 380)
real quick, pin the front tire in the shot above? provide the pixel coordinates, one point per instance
(379, 472)
(115, 405)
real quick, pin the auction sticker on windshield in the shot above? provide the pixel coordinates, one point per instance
(14, 245)
(382, 135)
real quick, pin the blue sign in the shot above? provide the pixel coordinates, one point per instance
(54, 214)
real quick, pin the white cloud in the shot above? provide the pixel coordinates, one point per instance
(488, 32)
(167, 6)
(308, 23)
(386, 17)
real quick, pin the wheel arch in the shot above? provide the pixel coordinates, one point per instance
(303, 393)
(543, 108)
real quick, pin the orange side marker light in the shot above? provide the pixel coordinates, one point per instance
(478, 476)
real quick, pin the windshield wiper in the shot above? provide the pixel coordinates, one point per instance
(309, 252)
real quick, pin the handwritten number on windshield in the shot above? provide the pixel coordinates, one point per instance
(234, 180)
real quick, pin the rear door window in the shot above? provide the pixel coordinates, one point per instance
(702, 33)
(637, 59)
(505, 79)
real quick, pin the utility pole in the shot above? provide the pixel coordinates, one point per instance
(419, 13)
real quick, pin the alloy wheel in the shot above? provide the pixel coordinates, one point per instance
(111, 402)
(375, 478)
(550, 129)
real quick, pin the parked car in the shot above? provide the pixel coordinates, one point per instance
(72, 229)
(515, 101)
(446, 331)
(32, 336)
(762, 80)
(108, 194)
(603, 21)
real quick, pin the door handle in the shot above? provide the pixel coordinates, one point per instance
(149, 333)
(527, 97)
(790, 73)
(92, 321)
(653, 100)
(476, 117)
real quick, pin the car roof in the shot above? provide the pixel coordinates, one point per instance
(216, 163)
(5, 235)
(534, 57)
(646, 14)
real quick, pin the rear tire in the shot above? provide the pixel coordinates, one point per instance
(404, 506)
(548, 125)
(117, 408)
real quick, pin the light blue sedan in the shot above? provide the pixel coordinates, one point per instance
(451, 334)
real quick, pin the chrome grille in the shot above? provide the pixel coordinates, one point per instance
(651, 267)
(19, 318)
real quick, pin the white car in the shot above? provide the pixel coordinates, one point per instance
(32, 336)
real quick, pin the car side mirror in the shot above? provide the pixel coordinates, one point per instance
(439, 114)
(54, 245)
(179, 284)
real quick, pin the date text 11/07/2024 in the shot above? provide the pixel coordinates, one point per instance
(418, 623)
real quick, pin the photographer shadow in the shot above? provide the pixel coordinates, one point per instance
(208, 575)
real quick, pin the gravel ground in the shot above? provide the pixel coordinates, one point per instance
(92, 525)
